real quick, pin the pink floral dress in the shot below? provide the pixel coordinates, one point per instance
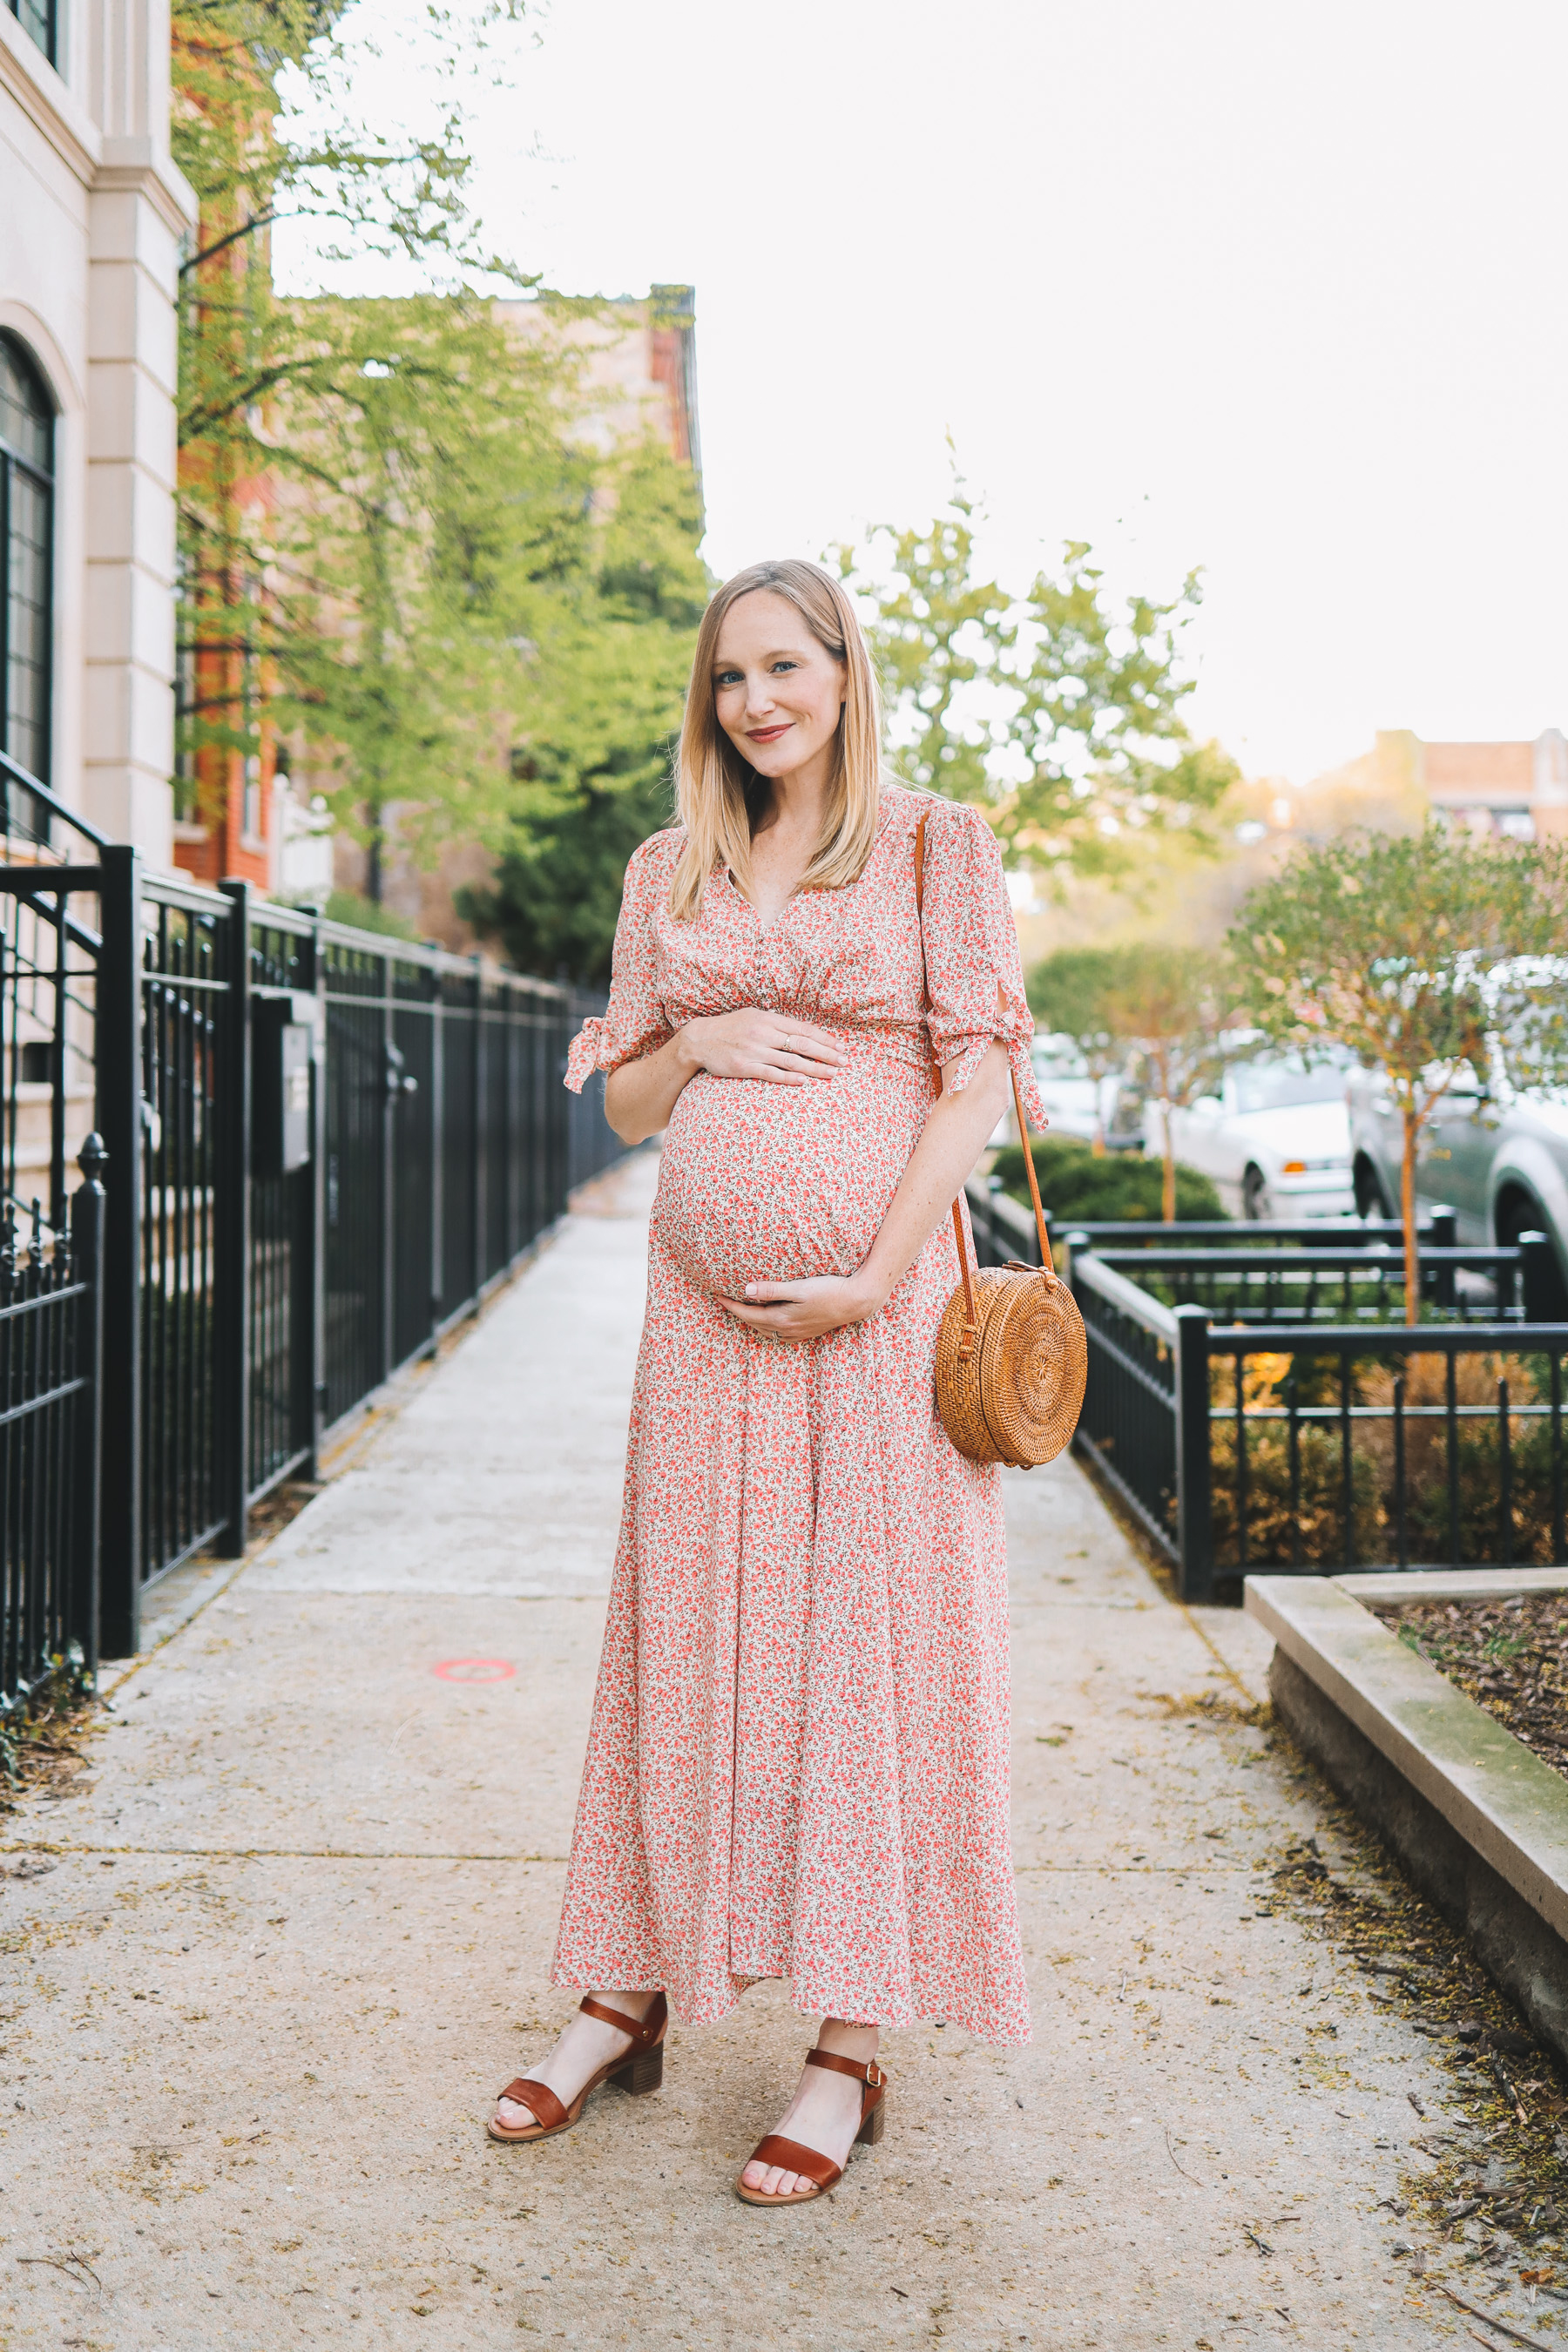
(798, 1764)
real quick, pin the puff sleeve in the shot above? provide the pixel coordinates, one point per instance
(974, 973)
(633, 1024)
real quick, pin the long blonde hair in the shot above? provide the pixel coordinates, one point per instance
(719, 795)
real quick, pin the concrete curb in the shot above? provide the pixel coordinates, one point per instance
(1479, 1823)
(1451, 1583)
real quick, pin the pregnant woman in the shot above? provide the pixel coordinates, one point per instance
(798, 1761)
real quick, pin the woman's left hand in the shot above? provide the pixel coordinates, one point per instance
(804, 1310)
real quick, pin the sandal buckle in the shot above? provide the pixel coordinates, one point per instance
(875, 2078)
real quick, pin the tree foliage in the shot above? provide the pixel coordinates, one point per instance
(395, 543)
(1170, 1005)
(1157, 1012)
(593, 776)
(1424, 956)
(1058, 711)
(432, 519)
(1067, 993)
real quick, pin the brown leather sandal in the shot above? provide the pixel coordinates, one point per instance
(640, 2071)
(810, 2162)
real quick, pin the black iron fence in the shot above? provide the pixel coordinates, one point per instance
(1259, 1408)
(319, 1149)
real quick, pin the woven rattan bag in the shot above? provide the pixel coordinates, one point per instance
(1011, 1358)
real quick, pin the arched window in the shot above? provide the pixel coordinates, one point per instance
(26, 537)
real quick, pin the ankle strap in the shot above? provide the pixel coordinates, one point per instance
(871, 2073)
(644, 2030)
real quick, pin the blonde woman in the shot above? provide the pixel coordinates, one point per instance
(798, 1761)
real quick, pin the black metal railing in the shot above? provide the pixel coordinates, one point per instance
(1436, 1446)
(1282, 1442)
(49, 1337)
(323, 1147)
(1006, 1226)
(1135, 1400)
(1345, 1286)
(1264, 1404)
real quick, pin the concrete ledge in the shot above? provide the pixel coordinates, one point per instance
(1480, 1823)
(1452, 1583)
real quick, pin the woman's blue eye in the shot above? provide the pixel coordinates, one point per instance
(728, 677)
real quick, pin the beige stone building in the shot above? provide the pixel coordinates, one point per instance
(1515, 792)
(638, 364)
(92, 216)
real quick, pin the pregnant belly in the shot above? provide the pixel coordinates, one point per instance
(766, 1183)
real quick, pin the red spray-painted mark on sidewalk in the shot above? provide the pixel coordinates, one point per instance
(474, 1670)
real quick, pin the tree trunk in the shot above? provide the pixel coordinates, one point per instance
(1407, 1217)
(374, 859)
(1168, 1187)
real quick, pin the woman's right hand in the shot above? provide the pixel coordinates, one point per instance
(768, 1045)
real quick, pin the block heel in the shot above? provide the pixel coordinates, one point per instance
(639, 2072)
(640, 2075)
(809, 2163)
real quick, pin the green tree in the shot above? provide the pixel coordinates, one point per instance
(1424, 956)
(365, 486)
(591, 775)
(435, 519)
(1057, 711)
(1067, 996)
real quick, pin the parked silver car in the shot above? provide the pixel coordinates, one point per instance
(1498, 1160)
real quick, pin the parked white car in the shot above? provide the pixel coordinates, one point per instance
(1075, 1101)
(1275, 1142)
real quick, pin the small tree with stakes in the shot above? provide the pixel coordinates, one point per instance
(1424, 956)
(1168, 1006)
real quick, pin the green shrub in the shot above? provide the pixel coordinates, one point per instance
(1077, 1187)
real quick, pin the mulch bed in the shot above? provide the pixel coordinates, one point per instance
(1510, 1656)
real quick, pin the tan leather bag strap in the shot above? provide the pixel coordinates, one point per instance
(1018, 1102)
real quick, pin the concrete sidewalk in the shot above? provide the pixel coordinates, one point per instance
(297, 1925)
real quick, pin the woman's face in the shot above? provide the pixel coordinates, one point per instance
(777, 692)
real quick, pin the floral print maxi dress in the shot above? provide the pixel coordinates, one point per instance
(798, 1764)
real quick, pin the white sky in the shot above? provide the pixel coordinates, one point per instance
(1274, 289)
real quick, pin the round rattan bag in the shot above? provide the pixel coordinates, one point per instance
(1010, 1379)
(1012, 1356)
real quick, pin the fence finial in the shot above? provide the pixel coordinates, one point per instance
(92, 1159)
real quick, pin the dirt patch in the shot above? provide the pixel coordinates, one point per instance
(1215, 1706)
(41, 1752)
(1510, 1656)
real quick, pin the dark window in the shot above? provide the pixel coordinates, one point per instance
(27, 530)
(41, 18)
